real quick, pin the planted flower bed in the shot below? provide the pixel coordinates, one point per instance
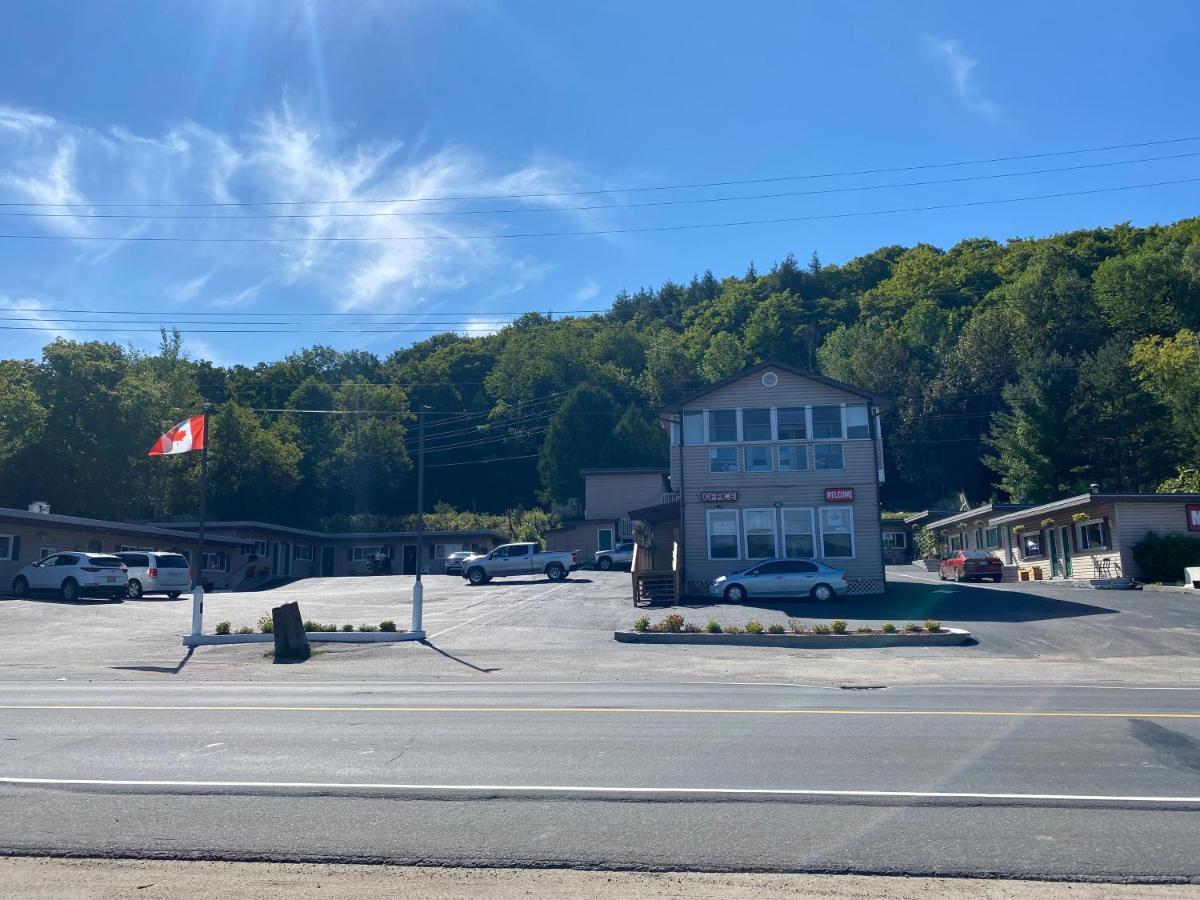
(674, 629)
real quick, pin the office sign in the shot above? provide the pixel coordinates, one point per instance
(718, 496)
(839, 495)
(1193, 516)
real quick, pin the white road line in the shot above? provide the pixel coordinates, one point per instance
(587, 789)
(516, 605)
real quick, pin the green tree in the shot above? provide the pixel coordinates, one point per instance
(575, 439)
(635, 441)
(252, 469)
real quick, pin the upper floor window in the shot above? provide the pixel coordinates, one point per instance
(857, 424)
(758, 459)
(827, 422)
(723, 459)
(792, 424)
(793, 457)
(828, 456)
(693, 428)
(722, 426)
(756, 424)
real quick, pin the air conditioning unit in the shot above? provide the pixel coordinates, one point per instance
(40, 506)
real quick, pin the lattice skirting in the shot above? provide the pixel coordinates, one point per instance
(697, 588)
(872, 584)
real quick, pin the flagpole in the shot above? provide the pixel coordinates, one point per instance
(198, 565)
(418, 588)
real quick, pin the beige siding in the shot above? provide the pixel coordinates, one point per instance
(1136, 520)
(1086, 564)
(612, 496)
(582, 536)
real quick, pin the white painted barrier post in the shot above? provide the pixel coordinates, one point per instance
(197, 609)
(418, 602)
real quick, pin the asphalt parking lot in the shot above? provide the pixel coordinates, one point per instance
(537, 630)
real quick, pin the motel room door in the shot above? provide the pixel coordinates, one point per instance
(410, 559)
(328, 559)
(1052, 552)
(1065, 535)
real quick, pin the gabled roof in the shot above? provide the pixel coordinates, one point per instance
(1085, 499)
(917, 518)
(878, 399)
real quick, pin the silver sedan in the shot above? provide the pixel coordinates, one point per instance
(782, 578)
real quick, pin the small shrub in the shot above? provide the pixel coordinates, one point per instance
(933, 625)
(912, 626)
(795, 626)
(368, 628)
(347, 627)
(754, 627)
(775, 628)
(642, 623)
(713, 627)
(266, 624)
(224, 627)
(888, 628)
(672, 623)
(245, 629)
(1164, 557)
(692, 628)
(864, 629)
(732, 629)
(822, 628)
(387, 625)
(839, 626)
(310, 625)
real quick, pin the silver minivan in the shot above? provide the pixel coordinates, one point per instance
(156, 572)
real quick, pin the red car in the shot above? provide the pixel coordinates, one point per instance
(970, 565)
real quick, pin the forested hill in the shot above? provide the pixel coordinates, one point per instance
(1024, 370)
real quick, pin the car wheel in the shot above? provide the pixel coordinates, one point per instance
(605, 563)
(69, 590)
(941, 575)
(556, 572)
(173, 595)
(20, 586)
(476, 576)
(996, 579)
(134, 588)
(822, 593)
(735, 593)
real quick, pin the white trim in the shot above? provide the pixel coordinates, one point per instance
(296, 548)
(890, 543)
(770, 511)
(849, 510)
(9, 557)
(802, 453)
(1079, 526)
(737, 532)
(812, 527)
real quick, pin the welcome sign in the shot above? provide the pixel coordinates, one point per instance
(1193, 516)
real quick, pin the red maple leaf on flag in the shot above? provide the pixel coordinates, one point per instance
(175, 435)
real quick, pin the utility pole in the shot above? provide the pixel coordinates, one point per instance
(198, 563)
(418, 588)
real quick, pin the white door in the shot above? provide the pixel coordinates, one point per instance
(41, 576)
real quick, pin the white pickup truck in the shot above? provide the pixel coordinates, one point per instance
(520, 559)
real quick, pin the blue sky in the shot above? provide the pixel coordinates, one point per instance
(233, 101)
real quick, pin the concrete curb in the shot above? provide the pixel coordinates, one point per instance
(340, 637)
(944, 638)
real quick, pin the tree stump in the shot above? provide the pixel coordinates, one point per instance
(291, 643)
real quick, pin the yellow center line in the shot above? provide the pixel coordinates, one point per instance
(624, 710)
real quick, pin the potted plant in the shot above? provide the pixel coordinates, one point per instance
(1047, 522)
(1080, 517)
(1017, 529)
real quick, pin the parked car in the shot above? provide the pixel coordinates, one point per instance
(72, 575)
(454, 562)
(620, 555)
(520, 559)
(156, 572)
(970, 565)
(782, 578)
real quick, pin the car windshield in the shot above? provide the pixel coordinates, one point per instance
(172, 561)
(977, 554)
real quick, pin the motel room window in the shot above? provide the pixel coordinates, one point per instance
(44, 552)
(1031, 544)
(895, 540)
(723, 459)
(216, 562)
(722, 426)
(978, 538)
(837, 532)
(857, 424)
(791, 423)
(756, 424)
(693, 428)
(361, 553)
(722, 534)
(956, 542)
(798, 533)
(1092, 535)
(261, 549)
(441, 551)
(759, 525)
(758, 459)
(6, 546)
(827, 422)
(828, 456)
(793, 458)
(991, 538)
(304, 552)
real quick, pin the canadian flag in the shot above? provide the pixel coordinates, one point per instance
(187, 435)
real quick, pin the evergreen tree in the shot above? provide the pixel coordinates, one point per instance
(575, 439)
(635, 441)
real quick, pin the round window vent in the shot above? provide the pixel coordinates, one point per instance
(770, 379)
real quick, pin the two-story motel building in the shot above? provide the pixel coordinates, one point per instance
(774, 461)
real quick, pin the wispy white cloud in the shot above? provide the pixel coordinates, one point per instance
(26, 313)
(190, 289)
(23, 120)
(960, 67)
(589, 290)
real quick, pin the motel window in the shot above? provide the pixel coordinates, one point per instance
(793, 458)
(358, 554)
(837, 532)
(759, 525)
(895, 540)
(723, 459)
(792, 425)
(46, 551)
(693, 428)
(828, 456)
(216, 562)
(857, 425)
(798, 533)
(991, 538)
(722, 426)
(441, 551)
(978, 538)
(956, 542)
(304, 552)
(261, 549)
(6, 546)
(1031, 544)
(126, 548)
(722, 534)
(95, 546)
(827, 421)
(1092, 535)
(756, 424)
(758, 459)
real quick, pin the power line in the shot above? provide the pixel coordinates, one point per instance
(626, 190)
(137, 312)
(593, 232)
(598, 206)
(475, 462)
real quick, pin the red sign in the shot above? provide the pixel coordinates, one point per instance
(718, 496)
(1193, 516)
(839, 495)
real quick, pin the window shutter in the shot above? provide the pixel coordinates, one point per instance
(15, 554)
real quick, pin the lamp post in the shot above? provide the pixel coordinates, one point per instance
(418, 588)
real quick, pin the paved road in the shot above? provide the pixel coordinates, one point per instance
(1057, 782)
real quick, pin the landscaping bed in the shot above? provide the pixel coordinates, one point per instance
(673, 629)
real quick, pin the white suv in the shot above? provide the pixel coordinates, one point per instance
(156, 572)
(73, 575)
